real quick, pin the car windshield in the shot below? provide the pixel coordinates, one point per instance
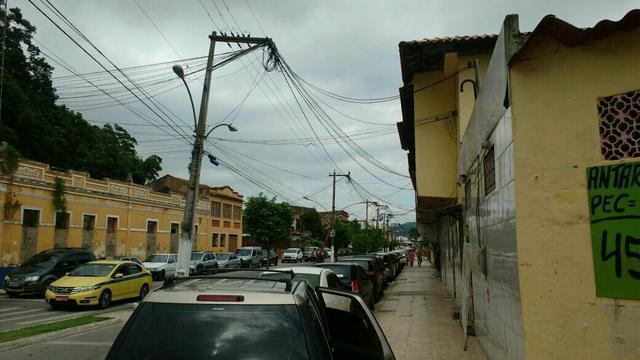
(362, 263)
(222, 256)
(196, 256)
(289, 251)
(157, 258)
(343, 272)
(243, 252)
(42, 260)
(309, 249)
(92, 270)
(240, 332)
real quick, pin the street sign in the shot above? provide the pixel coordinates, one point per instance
(614, 209)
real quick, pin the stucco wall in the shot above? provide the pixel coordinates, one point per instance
(436, 141)
(555, 90)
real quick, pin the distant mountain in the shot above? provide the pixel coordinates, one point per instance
(403, 229)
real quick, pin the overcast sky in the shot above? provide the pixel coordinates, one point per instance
(347, 47)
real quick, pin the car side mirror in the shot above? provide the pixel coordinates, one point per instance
(118, 276)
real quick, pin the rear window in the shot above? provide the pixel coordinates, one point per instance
(364, 264)
(194, 331)
(343, 272)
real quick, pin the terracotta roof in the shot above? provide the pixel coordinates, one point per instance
(570, 35)
(451, 39)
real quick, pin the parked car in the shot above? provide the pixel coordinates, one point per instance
(373, 269)
(99, 283)
(202, 262)
(227, 260)
(310, 253)
(292, 255)
(315, 276)
(35, 274)
(266, 319)
(273, 258)
(132, 259)
(390, 263)
(161, 265)
(250, 256)
(353, 277)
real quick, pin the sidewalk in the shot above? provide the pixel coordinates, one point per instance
(415, 314)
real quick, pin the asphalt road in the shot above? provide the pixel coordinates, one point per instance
(21, 312)
(90, 345)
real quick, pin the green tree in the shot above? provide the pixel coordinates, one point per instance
(343, 235)
(312, 223)
(44, 131)
(267, 221)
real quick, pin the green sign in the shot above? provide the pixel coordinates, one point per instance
(614, 208)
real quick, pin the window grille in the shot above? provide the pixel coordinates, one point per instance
(489, 171)
(620, 125)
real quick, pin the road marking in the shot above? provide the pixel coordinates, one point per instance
(19, 312)
(27, 316)
(7, 309)
(87, 343)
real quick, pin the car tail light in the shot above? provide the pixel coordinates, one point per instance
(355, 286)
(371, 274)
(221, 298)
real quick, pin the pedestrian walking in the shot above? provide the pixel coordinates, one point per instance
(411, 254)
(420, 253)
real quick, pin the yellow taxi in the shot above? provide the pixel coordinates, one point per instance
(100, 283)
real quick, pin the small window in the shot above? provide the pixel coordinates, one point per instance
(237, 212)
(226, 211)
(152, 227)
(222, 239)
(619, 118)
(62, 220)
(112, 224)
(333, 282)
(88, 222)
(489, 165)
(215, 209)
(214, 240)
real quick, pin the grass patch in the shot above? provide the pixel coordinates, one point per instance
(45, 328)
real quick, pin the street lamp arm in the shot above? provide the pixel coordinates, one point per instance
(313, 201)
(231, 128)
(193, 109)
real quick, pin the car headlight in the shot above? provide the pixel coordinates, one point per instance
(32, 278)
(80, 289)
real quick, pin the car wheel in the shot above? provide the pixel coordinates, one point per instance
(226, 266)
(105, 299)
(199, 269)
(54, 306)
(144, 290)
(215, 269)
(163, 275)
(12, 294)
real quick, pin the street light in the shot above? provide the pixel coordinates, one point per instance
(180, 72)
(313, 201)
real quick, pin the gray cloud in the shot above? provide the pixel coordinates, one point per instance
(347, 47)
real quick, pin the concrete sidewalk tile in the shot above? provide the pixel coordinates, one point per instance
(415, 314)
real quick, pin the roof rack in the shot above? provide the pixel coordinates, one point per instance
(171, 281)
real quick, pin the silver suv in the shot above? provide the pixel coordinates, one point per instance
(254, 317)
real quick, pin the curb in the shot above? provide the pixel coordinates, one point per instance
(10, 345)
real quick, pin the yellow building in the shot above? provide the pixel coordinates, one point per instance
(547, 180)
(112, 218)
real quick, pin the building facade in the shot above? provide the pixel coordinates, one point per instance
(111, 218)
(539, 245)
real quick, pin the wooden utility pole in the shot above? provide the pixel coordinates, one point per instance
(332, 232)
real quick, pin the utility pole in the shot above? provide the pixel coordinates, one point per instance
(184, 251)
(377, 216)
(332, 233)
